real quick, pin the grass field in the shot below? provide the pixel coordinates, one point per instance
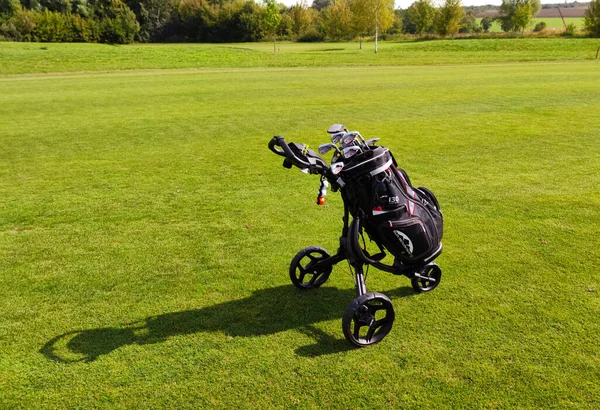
(551, 23)
(22, 58)
(146, 230)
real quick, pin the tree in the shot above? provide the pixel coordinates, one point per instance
(271, 19)
(9, 7)
(321, 4)
(301, 17)
(516, 15)
(449, 17)
(337, 20)
(373, 15)
(486, 23)
(153, 16)
(592, 19)
(421, 15)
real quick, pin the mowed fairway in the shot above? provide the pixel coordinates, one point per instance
(146, 233)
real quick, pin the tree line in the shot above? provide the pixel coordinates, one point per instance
(126, 21)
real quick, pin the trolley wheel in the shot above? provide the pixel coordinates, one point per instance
(368, 319)
(301, 272)
(433, 275)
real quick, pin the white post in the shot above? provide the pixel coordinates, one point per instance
(376, 30)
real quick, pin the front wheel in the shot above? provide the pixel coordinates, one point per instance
(303, 272)
(431, 277)
(368, 319)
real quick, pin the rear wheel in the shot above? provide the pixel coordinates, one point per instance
(368, 319)
(303, 272)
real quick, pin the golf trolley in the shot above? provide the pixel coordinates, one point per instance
(379, 200)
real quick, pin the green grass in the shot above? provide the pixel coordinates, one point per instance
(551, 23)
(146, 233)
(20, 58)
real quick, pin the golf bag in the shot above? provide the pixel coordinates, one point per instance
(405, 221)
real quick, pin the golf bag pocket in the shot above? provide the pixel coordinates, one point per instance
(407, 239)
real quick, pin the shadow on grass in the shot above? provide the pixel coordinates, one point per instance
(265, 312)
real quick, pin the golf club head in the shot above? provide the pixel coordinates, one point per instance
(371, 142)
(337, 137)
(348, 139)
(325, 148)
(351, 151)
(335, 128)
(337, 167)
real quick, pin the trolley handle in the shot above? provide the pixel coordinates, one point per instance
(291, 158)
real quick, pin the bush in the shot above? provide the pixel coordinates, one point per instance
(120, 30)
(592, 19)
(52, 26)
(570, 30)
(311, 35)
(19, 26)
(539, 26)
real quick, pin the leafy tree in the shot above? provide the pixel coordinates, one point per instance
(397, 26)
(197, 17)
(486, 23)
(321, 4)
(592, 19)
(337, 20)
(449, 17)
(469, 23)
(516, 15)
(373, 16)
(9, 7)
(302, 17)
(421, 15)
(271, 19)
(20, 25)
(285, 26)
(539, 26)
(153, 16)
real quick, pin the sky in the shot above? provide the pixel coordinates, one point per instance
(405, 3)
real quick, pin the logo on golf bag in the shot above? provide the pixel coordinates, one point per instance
(405, 242)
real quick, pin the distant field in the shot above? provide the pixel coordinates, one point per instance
(551, 23)
(576, 12)
(146, 231)
(19, 58)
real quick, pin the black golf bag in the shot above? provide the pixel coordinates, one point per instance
(406, 221)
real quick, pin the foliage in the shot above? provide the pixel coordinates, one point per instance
(9, 7)
(540, 26)
(592, 19)
(449, 17)
(121, 29)
(516, 15)
(321, 4)
(271, 15)
(337, 20)
(486, 23)
(302, 17)
(20, 25)
(154, 16)
(311, 35)
(422, 16)
(570, 30)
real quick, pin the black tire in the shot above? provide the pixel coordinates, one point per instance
(301, 265)
(368, 319)
(432, 271)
